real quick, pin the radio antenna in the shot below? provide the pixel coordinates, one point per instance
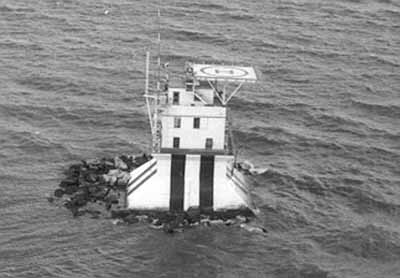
(159, 47)
(156, 123)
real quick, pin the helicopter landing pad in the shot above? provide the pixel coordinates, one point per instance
(224, 73)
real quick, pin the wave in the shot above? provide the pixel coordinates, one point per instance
(274, 136)
(339, 124)
(205, 6)
(5, 8)
(369, 242)
(20, 45)
(51, 83)
(387, 110)
(282, 217)
(307, 183)
(333, 127)
(191, 35)
(355, 190)
(363, 201)
(380, 60)
(30, 144)
(303, 270)
(80, 116)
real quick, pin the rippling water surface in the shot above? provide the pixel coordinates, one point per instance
(324, 119)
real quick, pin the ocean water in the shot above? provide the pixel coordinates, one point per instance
(324, 119)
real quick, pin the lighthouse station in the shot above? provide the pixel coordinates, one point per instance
(193, 161)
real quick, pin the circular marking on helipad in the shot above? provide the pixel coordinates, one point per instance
(224, 71)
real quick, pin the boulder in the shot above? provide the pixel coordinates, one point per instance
(91, 177)
(229, 222)
(117, 222)
(69, 181)
(139, 160)
(120, 213)
(156, 227)
(71, 189)
(193, 215)
(113, 181)
(114, 172)
(241, 219)
(59, 193)
(131, 219)
(246, 165)
(216, 222)
(170, 227)
(142, 218)
(253, 228)
(93, 162)
(112, 198)
(258, 171)
(129, 161)
(120, 164)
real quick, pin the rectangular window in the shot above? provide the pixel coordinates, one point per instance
(177, 122)
(175, 98)
(176, 143)
(196, 122)
(209, 143)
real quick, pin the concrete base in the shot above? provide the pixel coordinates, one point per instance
(171, 182)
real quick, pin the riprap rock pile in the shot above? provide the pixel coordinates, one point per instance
(102, 181)
(171, 222)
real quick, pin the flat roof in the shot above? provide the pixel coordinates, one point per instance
(224, 73)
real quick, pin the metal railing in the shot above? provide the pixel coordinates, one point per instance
(230, 145)
(156, 148)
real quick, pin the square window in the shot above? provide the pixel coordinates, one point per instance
(196, 122)
(209, 143)
(176, 142)
(177, 122)
(175, 98)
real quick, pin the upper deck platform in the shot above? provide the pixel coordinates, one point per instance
(224, 73)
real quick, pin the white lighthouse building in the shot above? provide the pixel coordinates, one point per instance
(193, 156)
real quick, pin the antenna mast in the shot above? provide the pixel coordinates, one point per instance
(156, 124)
(146, 90)
(159, 47)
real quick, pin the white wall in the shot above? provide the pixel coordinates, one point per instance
(155, 192)
(212, 125)
(185, 98)
(225, 195)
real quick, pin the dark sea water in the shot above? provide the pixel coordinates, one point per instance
(324, 119)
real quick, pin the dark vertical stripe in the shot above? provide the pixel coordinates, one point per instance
(206, 182)
(177, 182)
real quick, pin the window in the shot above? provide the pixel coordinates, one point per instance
(209, 143)
(176, 142)
(175, 99)
(177, 122)
(196, 122)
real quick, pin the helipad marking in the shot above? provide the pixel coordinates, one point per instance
(232, 72)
